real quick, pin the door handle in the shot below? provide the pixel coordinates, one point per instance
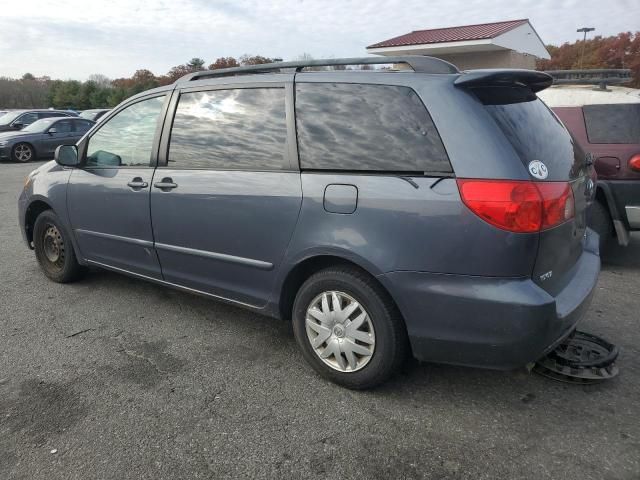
(138, 183)
(165, 184)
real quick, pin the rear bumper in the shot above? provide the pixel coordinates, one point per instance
(625, 195)
(489, 322)
(633, 215)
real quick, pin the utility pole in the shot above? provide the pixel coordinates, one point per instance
(584, 41)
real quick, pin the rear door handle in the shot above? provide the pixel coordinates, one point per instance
(165, 184)
(138, 183)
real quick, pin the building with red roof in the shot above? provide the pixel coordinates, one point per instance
(508, 44)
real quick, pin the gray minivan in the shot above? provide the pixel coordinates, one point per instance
(406, 209)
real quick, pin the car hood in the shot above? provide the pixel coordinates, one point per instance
(14, 135)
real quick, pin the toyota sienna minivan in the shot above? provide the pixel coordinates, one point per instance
(411, 209)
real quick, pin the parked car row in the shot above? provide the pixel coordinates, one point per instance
(435, 213)
(31, 134)
(42, 137)
(18, 119)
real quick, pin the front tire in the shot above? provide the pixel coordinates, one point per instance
(23, 152)
(348, 328)
(54, 250)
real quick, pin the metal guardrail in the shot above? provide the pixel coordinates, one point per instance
(596, 76)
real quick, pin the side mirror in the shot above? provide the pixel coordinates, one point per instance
(17, 125)
(67, 156)
(53, 130)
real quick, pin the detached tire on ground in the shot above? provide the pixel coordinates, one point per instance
(54, 250)
(348, 328)
(22, 152)
(600, 221)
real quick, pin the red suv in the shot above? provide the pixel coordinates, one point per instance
(610, 132)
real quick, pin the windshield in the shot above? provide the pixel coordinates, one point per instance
(89, 114)
(39, 126)
(9, 117)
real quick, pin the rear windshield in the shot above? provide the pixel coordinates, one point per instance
(537, 134)
(618, 123)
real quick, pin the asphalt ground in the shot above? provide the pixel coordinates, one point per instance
(124, 379)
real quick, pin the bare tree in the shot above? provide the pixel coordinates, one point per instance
(100, 80)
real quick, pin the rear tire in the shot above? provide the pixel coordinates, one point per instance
(354, 320)
(600, 221)
(23, 153)
(54, 250)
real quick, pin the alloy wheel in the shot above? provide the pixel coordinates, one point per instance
(23, 152)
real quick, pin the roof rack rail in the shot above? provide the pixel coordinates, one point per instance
(418, 63)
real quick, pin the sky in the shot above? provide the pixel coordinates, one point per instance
(76, 38)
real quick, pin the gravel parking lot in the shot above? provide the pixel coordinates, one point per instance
(125, 379)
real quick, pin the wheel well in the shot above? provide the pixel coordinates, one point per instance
(34, 209)
(299, 274)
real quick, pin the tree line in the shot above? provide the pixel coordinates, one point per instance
(619, 51)
(99, 91)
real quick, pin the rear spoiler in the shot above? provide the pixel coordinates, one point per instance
(531, 79)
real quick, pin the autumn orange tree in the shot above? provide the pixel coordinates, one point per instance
(619, 51)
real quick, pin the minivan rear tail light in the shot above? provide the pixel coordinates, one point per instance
(634, 163)
(519, 206)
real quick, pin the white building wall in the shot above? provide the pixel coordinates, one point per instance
(523, 39)
(495, 59)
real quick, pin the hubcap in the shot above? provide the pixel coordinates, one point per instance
(340, 331)
(53, 246)
(23, 152)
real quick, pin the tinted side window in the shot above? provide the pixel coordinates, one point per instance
(127, 138)
(366, 127)
(62, 127)
(230, 129)
(82, 126)
(619, 123)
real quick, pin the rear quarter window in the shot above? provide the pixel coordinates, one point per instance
(615, 123)
(357, 127)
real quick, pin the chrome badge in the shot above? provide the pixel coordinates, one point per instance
(546, 276)
(538, 169)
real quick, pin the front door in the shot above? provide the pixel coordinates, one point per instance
(108, 196)
(225, 205)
